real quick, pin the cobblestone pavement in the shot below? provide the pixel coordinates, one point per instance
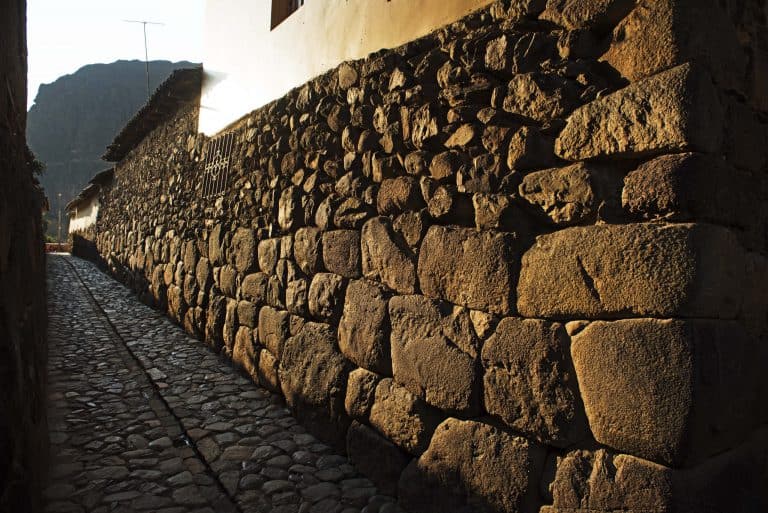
(145, 418)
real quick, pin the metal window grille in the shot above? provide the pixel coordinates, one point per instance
(216, 165)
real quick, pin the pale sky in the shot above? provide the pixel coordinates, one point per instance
(64, 35)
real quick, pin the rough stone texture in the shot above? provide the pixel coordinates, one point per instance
(273, 329)
(473, 466)
(659, 34)
(313, 377)
(669, 390)
(437, 137)
(244, 250)
(307, 249)
(435, 352)
(611, 271)
(474, 269)
(397, 195)
(385, 258)
(326, 296)
(268, 254)
(364, 327)
(688, 187)
(530, 383)
(599, 480)
(23, 318)
(604, 481)
(403, 418)
(245, 353)
(254, 288)
(341, 252)
(676, 110)
(568, 195)
(268, 371)
(361, 390)
(587, 14)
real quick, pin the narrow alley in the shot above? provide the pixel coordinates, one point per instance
(145, 418)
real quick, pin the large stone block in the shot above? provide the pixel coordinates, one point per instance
(341, 252)
(608, 271)
(541, 97)
(688, 187)
(659, 34)
(231, 325)
(361, 391)
(470, 268)
(473, 466)
(215, 248)
(601, 480)
(599, 15)
(267, 371)
(247, 314)
(214, 324)
(435, 353)
(245, 353)
(273, 329)
(296, 297)
(677, 110)
(313, 378)
(243, 250)
(228, 281)
(530, 383)
(268, 254)
(671, 391)
(290, 214)
(326, 296)
(203, 275)
(385, 257)
(397, 195)
(376, 457)
(364, 327)
(572, 194)
(307, 249)
(403, 418)
(254, 288)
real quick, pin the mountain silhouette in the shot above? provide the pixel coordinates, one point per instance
(74, 119)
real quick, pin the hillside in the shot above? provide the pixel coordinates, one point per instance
(74, 119)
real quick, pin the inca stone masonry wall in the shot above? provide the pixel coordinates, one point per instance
(23, 428)
(516, 265)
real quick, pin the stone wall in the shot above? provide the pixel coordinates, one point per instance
(23, 430)
(517, 264)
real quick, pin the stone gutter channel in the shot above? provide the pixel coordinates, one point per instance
(182, 435)
(243, 449)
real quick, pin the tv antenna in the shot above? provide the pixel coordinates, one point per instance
(146, 53)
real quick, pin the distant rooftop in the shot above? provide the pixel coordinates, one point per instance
(181, 87)
(94, 186)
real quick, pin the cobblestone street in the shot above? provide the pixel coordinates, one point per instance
(145, 418)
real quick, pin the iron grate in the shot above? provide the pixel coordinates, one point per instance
(216, 165)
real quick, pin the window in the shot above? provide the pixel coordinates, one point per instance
(216, 165)
(281, 9)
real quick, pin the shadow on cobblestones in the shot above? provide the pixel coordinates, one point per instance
(145, 418)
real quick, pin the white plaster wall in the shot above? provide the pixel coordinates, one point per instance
(85, 216)
(247, 65)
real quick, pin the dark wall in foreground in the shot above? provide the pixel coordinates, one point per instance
(517, 264)
(23, 432)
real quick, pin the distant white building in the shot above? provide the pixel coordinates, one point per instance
(256, 51)
(84, 209)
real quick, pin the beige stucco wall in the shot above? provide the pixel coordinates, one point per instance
(247, 65)
(84, 216)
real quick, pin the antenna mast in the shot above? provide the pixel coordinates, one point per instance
(146, 52)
